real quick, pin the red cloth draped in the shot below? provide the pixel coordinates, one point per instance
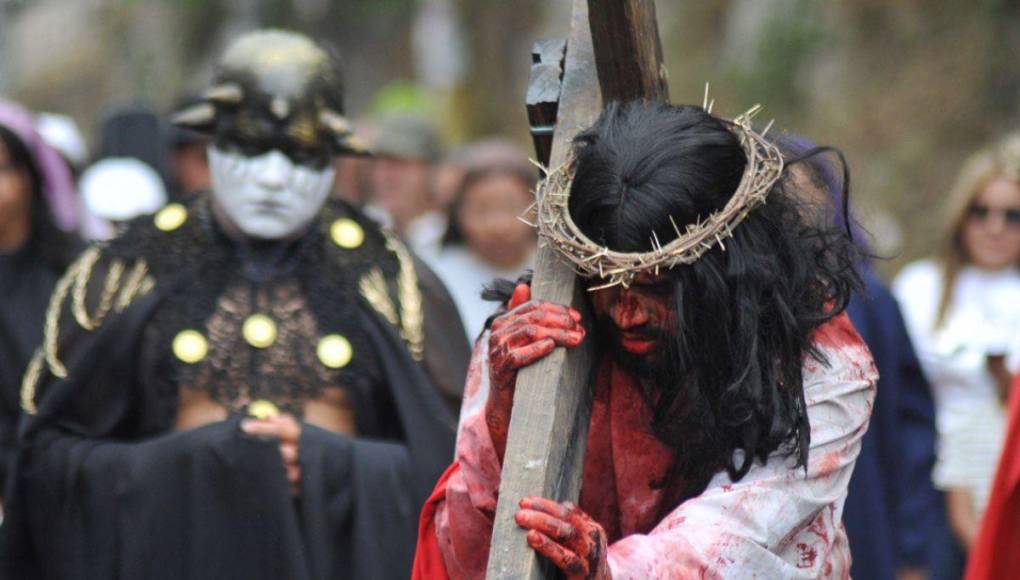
(997, 551)
(428, 559)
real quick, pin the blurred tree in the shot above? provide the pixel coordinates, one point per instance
(499, 37)
(907, 89)
(201, 22)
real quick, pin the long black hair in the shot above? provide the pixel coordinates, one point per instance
(54, 246)
(732, 389)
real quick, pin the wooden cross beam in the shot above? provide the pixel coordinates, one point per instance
(545, 83)
(613, 53)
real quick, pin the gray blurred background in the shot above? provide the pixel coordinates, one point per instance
(906, 88)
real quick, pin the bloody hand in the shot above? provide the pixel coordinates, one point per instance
(528, 332)
(567, 536)
(288, 430)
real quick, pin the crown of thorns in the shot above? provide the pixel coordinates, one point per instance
(589, 259)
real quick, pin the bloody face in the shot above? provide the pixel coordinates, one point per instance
(638, 321)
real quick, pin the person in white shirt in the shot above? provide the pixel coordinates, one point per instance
(962, 309)
(486, 238)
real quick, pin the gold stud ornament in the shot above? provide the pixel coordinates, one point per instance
(190, 346)
(346, 233)
(263, 409)
(259, 330)
(335, 351)
(171, 217)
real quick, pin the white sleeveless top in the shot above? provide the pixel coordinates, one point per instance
(982, 319)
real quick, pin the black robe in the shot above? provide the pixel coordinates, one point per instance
(26, 281)
(101, 488)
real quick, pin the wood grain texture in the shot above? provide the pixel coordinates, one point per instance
(613, 53)
(552, 406)
(628, 52)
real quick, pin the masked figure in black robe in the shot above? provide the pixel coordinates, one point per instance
(251, 386)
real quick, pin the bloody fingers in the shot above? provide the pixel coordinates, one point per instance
(565, 535)
(528, 332)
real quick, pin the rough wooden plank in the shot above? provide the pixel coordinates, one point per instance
(545, 82)
(552, 406)
(627, 50)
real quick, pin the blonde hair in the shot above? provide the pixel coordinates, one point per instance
(1001, 160)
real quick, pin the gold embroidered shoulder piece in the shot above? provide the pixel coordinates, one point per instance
(90, 297)
(410, 321)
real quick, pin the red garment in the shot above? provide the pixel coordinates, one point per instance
(778, 521)
(428, 561)
(997, 551)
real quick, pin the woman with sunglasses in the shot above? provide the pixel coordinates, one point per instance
(962, 309)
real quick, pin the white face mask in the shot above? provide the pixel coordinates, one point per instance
(267, 197)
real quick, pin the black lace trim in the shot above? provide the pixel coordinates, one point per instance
(197, 267)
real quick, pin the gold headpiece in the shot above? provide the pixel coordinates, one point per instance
(589, 259)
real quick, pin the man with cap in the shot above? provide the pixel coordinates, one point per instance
(407, 149)
(247, 386)
(187, 160)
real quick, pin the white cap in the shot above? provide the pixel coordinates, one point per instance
(62, 133)
(121, 188)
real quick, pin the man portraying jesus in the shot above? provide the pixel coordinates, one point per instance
(731, 393)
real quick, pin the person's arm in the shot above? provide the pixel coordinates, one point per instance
(780, 521)
(462, 511)
(996, 365)
(962, 517)
(915, 498)
(95, 503)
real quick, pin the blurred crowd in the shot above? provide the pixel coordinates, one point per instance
(946, 337)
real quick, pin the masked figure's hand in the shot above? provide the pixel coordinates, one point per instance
(288, 430)
(528, 332)
(567, 536)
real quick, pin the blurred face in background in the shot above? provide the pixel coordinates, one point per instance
(488, 218)
(15, 202)
(402, 187)
(191, 168)
(353, 181)
(448, 177)
(991, 230)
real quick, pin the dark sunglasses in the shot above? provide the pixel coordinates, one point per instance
(979, 212)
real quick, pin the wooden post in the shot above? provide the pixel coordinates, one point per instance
(628, 53)
(552, 402)
(549, 426)
(545, 83)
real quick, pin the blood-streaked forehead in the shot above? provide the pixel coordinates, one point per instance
(649, 298)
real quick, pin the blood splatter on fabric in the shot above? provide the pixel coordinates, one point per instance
(776, 522)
